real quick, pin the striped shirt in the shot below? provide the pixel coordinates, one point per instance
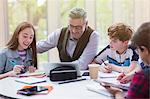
(22, 54)
(107, 54)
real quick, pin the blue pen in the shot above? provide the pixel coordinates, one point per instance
(14, 63)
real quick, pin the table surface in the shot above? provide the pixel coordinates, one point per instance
(73, 90)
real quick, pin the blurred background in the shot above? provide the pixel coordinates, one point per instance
(48, 15)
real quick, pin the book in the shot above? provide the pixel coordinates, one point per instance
(30, 80)
(36, 73)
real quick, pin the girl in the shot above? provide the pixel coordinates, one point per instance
(20, 54)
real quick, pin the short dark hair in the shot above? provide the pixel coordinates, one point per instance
(142, 36)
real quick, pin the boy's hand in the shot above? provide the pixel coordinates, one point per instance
(31, 69)
(120, 76)
(124, 78)
(107, 68)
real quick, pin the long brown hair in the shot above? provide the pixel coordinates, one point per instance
(13, 43)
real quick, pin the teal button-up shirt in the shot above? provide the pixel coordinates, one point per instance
(10, 58)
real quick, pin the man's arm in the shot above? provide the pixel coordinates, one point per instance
(50, 42)
(89, 52)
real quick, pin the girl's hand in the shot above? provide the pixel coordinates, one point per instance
(10, 74)
(31, 69)
(18, 68)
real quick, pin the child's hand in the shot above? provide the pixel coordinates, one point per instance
(11, 74)
(107, 68)
(31, 69)
(18, 68)
(115, 91)
(120, 76)
(124, 78)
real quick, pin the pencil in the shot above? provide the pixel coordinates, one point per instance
(74, 80)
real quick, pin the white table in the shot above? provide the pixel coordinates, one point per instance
(74, 90)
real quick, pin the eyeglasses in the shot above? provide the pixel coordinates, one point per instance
(75, 27)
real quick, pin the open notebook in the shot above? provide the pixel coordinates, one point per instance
(113, 74)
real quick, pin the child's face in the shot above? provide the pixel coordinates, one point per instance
(25, 38)
(144, 54)
(116, 44)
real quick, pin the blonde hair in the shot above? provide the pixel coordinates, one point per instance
(76, 13)
(120, 31)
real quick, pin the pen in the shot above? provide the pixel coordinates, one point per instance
(104, 63)
(74, 80)
(13, 62)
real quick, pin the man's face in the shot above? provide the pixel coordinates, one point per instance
(77, 27)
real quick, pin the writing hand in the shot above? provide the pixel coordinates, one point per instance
(108, 68)
(125, 79)
(18, 68)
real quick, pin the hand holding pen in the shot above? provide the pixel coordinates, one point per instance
(18, 69)
(107, 68)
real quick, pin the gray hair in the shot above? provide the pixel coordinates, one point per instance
(76, 13)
